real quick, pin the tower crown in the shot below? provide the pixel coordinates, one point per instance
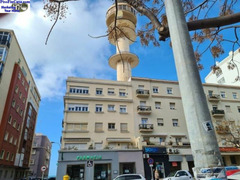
(122, 37)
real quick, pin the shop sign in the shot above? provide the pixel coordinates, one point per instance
(174, 164)
(95, 157)
(154, 150)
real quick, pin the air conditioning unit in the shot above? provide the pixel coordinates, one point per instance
(170, 151)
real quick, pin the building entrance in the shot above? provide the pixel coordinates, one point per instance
(76, 172)
(102, 171)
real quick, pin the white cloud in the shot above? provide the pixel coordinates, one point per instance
(70, 51)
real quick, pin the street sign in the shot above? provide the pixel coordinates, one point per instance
(150, 161)
(43, 168)
(89, 163)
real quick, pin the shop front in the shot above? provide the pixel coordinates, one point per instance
(103, 165)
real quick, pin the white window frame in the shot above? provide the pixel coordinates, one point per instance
(172, 105)
(122, 92)
(79, 90)
(157, 105)
(98, 127)
(160, 122)
(111, 91)
(123, 109)
(169, 90)
(235, 95)
(78, 107)
(155, 89)
(111, 107)
(223, 94)
(175, 122)
(124, 127)
(6, 136)
(99, 108)
(99, 91)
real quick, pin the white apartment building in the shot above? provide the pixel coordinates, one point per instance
(225, 75)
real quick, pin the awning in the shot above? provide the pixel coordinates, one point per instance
(189, 157)
(175, 158)
(178, 135)
(154, 135)
(119, 140)
(229, 149)
(77, 139)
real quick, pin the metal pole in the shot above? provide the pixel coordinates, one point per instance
(151, 171)
(42, 175)
(203, 140)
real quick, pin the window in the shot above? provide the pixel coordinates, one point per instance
(238, 109)
(14, 123)
(12, 157)
(111, 107)
(169, 90)
(10, 119)
(20, 95)
(23, 82)
(144, 120)
(223, 94)
(19, 75)
(17, 108)
(11, 139)
(155, 89)
(7, 156)
(3, 53)
(175, 122)
(34, 151)
(77, 126)
(78, 107)
(98, 145)
(172, 106)
(5, 38)
(160, 122)
(111, 126)
(223, 141)
(123, 109)
(122, 92)
(162, 140)
(110, 91)
(6, 136)
(140, 86)
(18, 126)
(21, 112)
(15, 142)
(32, 161)
(99, 108)
(16, 89)
(234, 95)
(214, 107)
(210, 93)
(178, 140)
(2, 154)
(124, 127)
(233, 160)
(99, 91)
(157, 105)
(228, 108)
(79, 90)
(13, 103)
(99, 127)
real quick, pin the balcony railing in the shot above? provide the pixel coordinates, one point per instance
(142, 93)
(218, 112)
(144, 109)
(145, 127)
(213, 97)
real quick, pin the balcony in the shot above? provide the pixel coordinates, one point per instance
(142, 93)
(146, 127)
(218, 113)
(220, 129)
(144, 109)
(213, 97)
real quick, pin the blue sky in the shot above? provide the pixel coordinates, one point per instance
(71, 52)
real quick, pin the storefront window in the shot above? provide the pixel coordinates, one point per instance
(127, 168)
(76, 172)
(102, 171)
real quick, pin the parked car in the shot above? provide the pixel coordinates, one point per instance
(234, 176)
(129, 177)
(179, 175)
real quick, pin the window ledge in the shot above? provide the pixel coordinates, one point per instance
(112, 129)
(77, 111)
(111, 110)
(99, 131)
(124, 131)
(101, 112)
(99, 95)
(123, 112)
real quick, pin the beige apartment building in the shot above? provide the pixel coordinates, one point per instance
(135, 125)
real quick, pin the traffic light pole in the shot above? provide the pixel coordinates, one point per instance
(203, 140)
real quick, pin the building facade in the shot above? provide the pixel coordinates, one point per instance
(228, 72)
(19, 105)
(40, 156)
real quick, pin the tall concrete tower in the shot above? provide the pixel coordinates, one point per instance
(124, 35)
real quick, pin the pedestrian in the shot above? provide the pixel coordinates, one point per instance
(156, 175)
